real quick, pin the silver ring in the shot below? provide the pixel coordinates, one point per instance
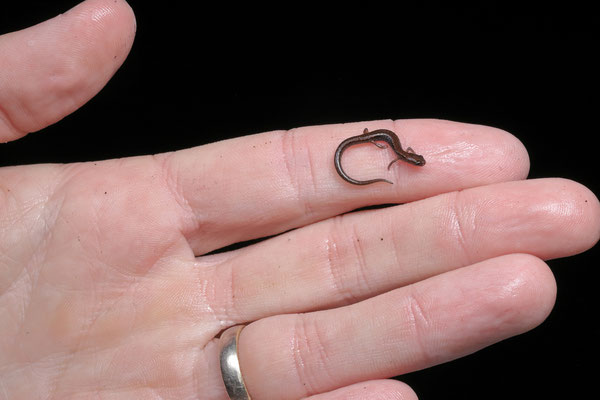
(230, 365)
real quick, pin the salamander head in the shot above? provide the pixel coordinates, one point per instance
(415, 159)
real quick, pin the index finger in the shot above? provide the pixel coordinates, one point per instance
(264, 184)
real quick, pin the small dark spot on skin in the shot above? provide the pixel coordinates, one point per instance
(105, 192)
(585, 199)
(115, 57)
(381, 239)
(358, 240)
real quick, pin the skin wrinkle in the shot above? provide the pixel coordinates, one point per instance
(313, 173)
(202, 382)
(334, 265)
(419, 323)
(21, 283)
(331, 254)
(457, 228)
(60, 373)
(202, 304)
(209, 294)
(104, 307)
(310, 342)
(362, 276)
(3, 391)
(25, 368)
(8, 263)
(13, 132)
(361, 265)
(29, 261)
(87, 326)
(298, 361)
(169, 179)
(290, 151)
(324, 360)
(107, 360)
(34, 206)
(104, 206)
(220, 317)
(33, 278)
(231, 315)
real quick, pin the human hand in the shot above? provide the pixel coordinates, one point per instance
(107, 291)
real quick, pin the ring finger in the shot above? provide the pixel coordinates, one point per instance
(433, 321)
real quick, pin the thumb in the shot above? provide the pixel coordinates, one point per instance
(49, 70)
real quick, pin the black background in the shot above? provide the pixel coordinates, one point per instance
(200, 73)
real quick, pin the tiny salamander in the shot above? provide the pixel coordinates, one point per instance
(382, 135)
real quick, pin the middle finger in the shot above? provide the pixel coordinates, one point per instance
(352, 257)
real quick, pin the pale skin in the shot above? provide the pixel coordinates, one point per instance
(106, 292)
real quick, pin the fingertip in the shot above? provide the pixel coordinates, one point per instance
(520, 290)
(583, 205)
(533, 285)
(572, 213)
(112, 18)
(516, 152)
(467, 155)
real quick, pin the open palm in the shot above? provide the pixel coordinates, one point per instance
(106, 291)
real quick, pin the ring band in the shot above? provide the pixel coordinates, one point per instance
(230, 365)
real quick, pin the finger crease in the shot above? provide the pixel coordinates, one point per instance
(8, 122)
(361, 265)
(420, 324)
(291, 157)
(458, 232)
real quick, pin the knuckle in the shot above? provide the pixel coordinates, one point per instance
(419, 324)
(349, 283)
(461, 226)
(310, 356)
(299, 166)
(221, 295)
